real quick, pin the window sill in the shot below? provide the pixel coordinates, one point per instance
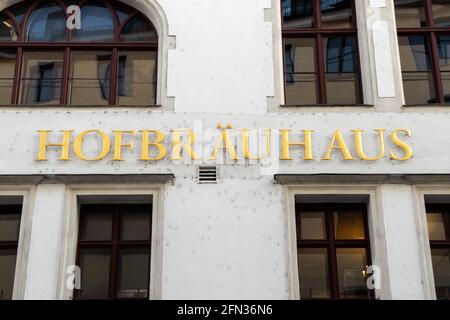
(325, 105)
(39, 107)
(428, 105)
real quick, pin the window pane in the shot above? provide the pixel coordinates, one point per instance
(441, 268)
(340, 67)
(438, 226)
(300, 69)
(90, 76)
(313, 273)
(7, 30)
(441, 13)
(97, 23)
(136, 223)
(352, 264)
(137, 78)
(9, 227)
(95, 266)
(134, 273)
(139, 28)
(298, 14)
(7, 272)
(444, 58)
(410, 14)
(18, 10)
(312, 226)
(416, 70)
(41, 78)
(336, 14)
(47, 23)
(96, 223)
(349, 225)
(7, 67)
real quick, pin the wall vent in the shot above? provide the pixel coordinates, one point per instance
(207, 174)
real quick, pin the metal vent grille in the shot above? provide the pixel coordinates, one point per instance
(207, 174)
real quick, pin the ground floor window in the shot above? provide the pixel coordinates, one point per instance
(438, 219)
(9, 240)
(333, 250)
(114, 251)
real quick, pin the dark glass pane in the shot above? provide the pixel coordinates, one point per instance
(41, 78)
(352, 265)
(18, 10)
(137, 78)
(97, 23)
(410, 14)
(297, 14)
(136, 222)
(9, 226)
(96, 223)
(47, 23)
(300, 70)
(7, 67)
(336, 14)
(444, 59)
(90, 76)
(438, 226)
(441, 13)
(441, 268)
(349, 225)
(95, 266)
(416, 70)
(134, 274)
(340, 68)
(313, 273)
(123, 12)
(312, 226)
(7, 272)
(8, 31)
(139, 28)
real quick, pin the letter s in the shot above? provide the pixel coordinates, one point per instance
(401, 144)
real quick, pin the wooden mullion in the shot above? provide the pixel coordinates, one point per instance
(435, 65)
(113, 83)
(17, 76)
(321, 71)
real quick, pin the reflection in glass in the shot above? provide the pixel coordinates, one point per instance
(300, 71)
(41, 78)
(96, 226)
(410, 14)
(139, 28)
(444, 61)
(349, 225)
(97, 23)
(9, 226)
(441, 269)
(336, 14)
(89, 78)
(18, 11)
(416, 70)
(297, 14)
(7, 68)
(312, 226)
(441, 13)
(136, 223)
(137, 78)
(352, 264)
(95, 264)
(8, 31)
(7, 272)
(47, 23)
(340, 68)
(313, 273)
(134, 274)
(438, 226)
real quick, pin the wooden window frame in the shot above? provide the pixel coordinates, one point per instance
(317, 32)
(332, 244)
(115, 244)
(431, 33)
(68, 47)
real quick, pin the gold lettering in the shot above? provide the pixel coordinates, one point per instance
(342, 146)
(158, 144)
(360, 148)
(78, 145)
(178, 146)
(65, 145)
(401, 144)
(224, 142)
(246, 145)
(286, 144)
(118, 144)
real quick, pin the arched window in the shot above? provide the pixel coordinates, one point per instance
(110, 58)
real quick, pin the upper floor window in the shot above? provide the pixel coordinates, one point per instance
(110, 60)
(424, 39)
(321, 52)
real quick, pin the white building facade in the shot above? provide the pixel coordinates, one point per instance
(353, 177)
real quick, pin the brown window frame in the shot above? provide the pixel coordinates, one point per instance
(318, 33)
(67, 47)
(430, 32)
(115, 244)
(331, 243)
(443, 208)
(10, 245)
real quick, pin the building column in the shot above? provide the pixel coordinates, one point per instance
(43, 261)
(402, 243)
